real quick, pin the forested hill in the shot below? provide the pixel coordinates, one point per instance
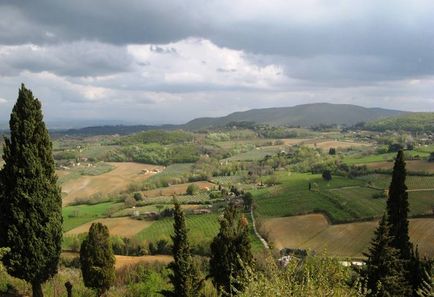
(306, 115)
(415, 122)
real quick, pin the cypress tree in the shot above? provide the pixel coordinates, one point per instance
(398, 207)
(97, 260)
(230, 252)
(30, 202)
(384, 272)
(184, 277)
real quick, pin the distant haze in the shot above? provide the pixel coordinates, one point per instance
(159, 61)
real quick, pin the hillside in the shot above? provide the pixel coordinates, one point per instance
(415, 122)
(306, 115)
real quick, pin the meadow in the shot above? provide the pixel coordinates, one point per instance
(314, 232)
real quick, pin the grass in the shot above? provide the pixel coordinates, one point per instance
(313, 232)
(74, 216)
(173, 171)
(76, 172)
(359, 200)
(342, 199)
(352, 160)
(382, 181)
(112, 182)
(255, 154)
(202, 228)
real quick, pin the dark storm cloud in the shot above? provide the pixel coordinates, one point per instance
(370, 41)
(72, 59)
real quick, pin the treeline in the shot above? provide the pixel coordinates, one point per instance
(155, 153)
(414, 122)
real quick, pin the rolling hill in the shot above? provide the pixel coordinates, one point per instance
(415, 122)
(306, 115)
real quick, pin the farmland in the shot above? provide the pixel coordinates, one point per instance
(123, 226)
(74, 216)
(313, 232)
(287, 191)
(110, 182)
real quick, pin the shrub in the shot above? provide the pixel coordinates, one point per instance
(192, 189)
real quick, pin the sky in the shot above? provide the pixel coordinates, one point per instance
(161, 61)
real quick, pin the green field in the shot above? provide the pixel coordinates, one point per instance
(255, 154)
(74, 216)
(342, 199)
(352, 160)
(75, 172)
(202, 229)
(172, 171)
(382, 181)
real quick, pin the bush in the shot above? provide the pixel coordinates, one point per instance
(192, 189)
(161, 247)
(130, 202)
(327, 175)
(138, 196)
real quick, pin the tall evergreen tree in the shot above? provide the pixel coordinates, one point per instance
(97, 260)
(30, 202)
(398, 207)
(384, 272)
(230, 252)
(185, 278)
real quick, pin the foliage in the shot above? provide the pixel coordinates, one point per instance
(157, 136)
(192, 189)
(414, 122)
(398, 207)
(30, 202)
(184, 278)
(97, 259)
(311, 276)
(155, 153)
(384, 274)
(230, 252)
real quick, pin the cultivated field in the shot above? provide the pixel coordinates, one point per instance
(124, 226)
(326, 145)
(74, 216)
(413, 165)
(122, 261)
(179, 189)
(313, 232)
(202, 228)
(113, 181)
(342, 199)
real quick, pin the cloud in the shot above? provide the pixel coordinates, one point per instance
(3, 101)
(172, 60)
(82, 58)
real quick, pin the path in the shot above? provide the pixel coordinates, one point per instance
(263, 241)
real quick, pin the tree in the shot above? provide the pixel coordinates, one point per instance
(30, 202)
(138, 196)
(192, 189)
(184, 277)
(230, 252)
(248, 201)
(97, 260)
(398, 207)
(384, 272)
(327, 175)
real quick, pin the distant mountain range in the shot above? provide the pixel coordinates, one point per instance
(306, 115)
